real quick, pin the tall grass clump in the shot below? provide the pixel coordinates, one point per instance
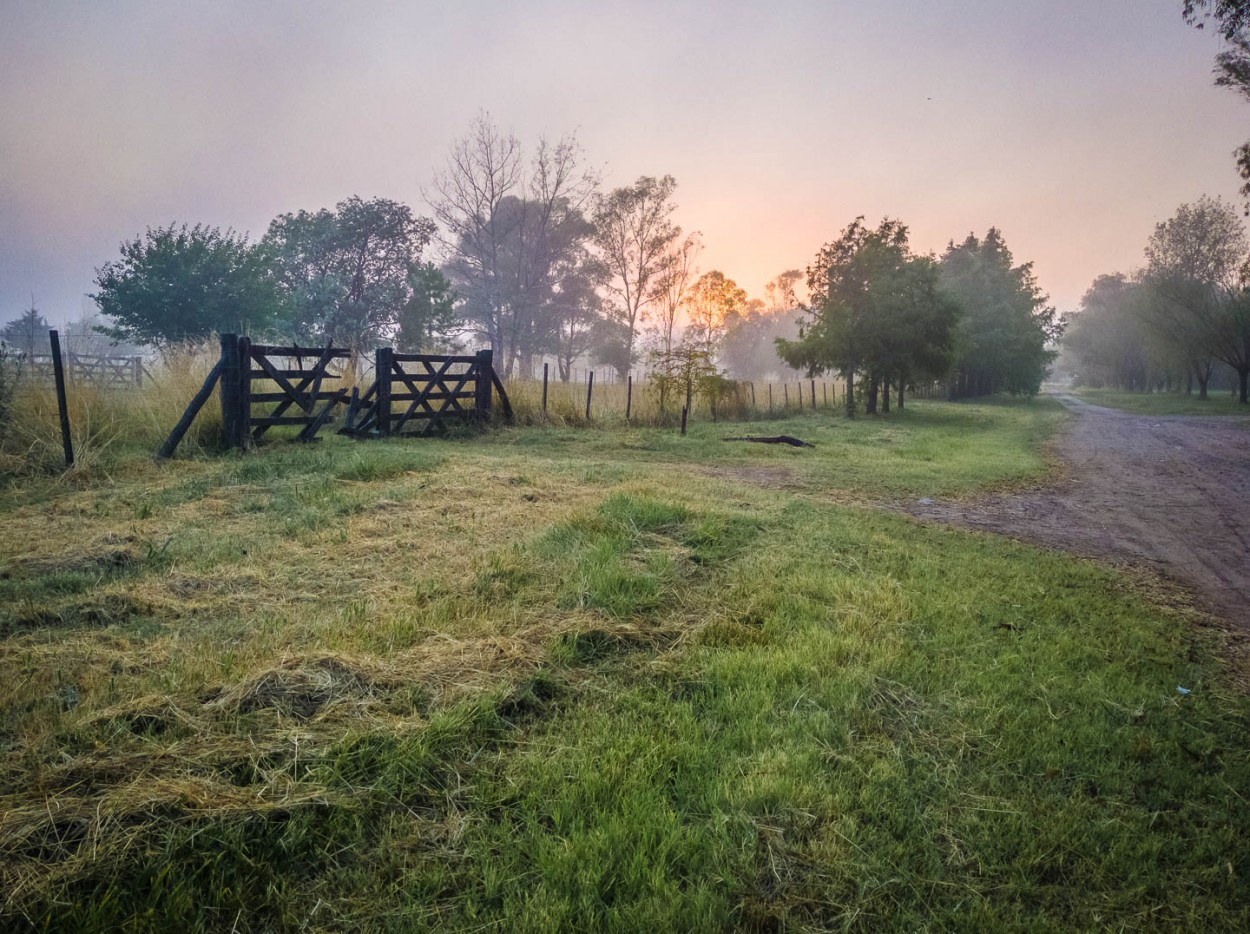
(106, 422)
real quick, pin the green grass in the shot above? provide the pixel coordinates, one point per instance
(562, 678)
(1164, 403)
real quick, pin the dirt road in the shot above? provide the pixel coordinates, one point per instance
(1169, 493)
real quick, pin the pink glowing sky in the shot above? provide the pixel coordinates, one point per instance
(1072, 126)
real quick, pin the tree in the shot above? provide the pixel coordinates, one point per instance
(671, 288)
(27, 333)
(912, 336)
(634, 233)
(1232, 65)
(1231, 16)
(1194, 267)
(1003, 340)
(847, 283)
(429, 315)
(1111, 339)
(346, 271)
(511, 233)
(185, 283)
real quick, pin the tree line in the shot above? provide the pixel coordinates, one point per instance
(526, 253)
(1173, 323)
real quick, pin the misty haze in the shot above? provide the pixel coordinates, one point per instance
(642, 467)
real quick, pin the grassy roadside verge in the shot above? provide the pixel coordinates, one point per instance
(608, 680)
(1164, 403)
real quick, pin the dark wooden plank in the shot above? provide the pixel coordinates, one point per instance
(61, 402)
(315, 353)
(409, 396)
(289, 373)
(263, 397)
(431, 358)
(270, 421)
(171, 443)
(230, 389)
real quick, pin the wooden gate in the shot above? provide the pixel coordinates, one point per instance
(264, 385)
(105, 370)
(419, 394)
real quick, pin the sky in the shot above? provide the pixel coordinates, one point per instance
(1074, 126)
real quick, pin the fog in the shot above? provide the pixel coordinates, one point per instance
(1073, 127)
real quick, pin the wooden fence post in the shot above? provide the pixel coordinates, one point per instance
(383, 359)
(485, 368)
(813, 395)
(752, 395)
(590, 388)
(62, 404)
(245, 391)
(683, 422)
(545, 368)
(171, 443)
(629, 395)
(770, 398)
(230, 386)
(785, 388)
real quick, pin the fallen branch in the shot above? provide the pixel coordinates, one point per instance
(779, 439)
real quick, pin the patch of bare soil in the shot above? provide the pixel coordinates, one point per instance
(1169, 494)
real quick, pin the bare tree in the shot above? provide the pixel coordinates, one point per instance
(634, 233)
(672, 287)
(509, 231)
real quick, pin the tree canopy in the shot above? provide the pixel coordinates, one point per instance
(873, 308)
(185, 283)
(1003, 340)
(345, 272)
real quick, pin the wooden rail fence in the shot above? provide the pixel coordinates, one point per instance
(105, 370)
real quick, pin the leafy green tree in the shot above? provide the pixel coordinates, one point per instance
(429, 315)
(851, 286)
(27, 333)
(1232, 65)
(1111, 341)
(185, 283)
(1002, 344)
(913, 332)
(346, 271)
(1232, 17)
(1195, 270)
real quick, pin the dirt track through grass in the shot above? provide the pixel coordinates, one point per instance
(1171, 493)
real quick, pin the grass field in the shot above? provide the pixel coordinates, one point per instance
(1164, 403)
(562, 678)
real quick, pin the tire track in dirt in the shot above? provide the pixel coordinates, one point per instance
(1168, 493)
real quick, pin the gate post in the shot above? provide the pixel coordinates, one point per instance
(485, 370)
(230, 387)
(245, 392)
(383, 359)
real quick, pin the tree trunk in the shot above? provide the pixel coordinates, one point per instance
(1243, 377)
(850, 392)
(873, 389)
(885, 394)
(901, 382)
